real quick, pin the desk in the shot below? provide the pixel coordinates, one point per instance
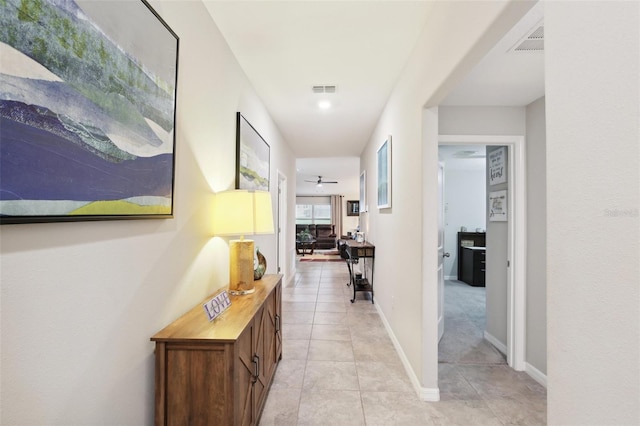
(356, 251)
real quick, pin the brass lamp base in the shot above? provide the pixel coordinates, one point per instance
(241, 267)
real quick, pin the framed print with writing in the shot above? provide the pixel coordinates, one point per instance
(498, 206)
(498, 166)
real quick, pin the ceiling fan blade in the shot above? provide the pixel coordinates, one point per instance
(329, 181)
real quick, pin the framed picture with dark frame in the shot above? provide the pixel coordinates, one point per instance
(252, 157)
(87, 111)
(353, 208)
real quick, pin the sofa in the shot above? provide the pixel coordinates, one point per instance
(324, 235)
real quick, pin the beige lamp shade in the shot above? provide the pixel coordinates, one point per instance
(242, 213)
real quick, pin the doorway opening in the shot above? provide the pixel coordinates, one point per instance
(463, 234)
(513, 347)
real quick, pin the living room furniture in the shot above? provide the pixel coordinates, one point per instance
(219, 372)
(305, 247)
(356, 252)
(473, 263)
(324, 234)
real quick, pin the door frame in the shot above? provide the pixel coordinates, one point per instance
(441, 250)
(281, 227)
(517, 238)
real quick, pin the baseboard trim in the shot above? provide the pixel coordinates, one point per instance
(425, 394)
(495, 342)
(450, 277)
(533, 372)
(536, 374)
(291, 278)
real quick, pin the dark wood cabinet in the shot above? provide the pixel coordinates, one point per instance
(471, 258)
(219, 372)
(473, 266)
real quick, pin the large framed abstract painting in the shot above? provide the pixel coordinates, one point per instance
(252, 157)
(87, 110)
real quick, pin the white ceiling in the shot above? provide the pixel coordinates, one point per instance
(463, 157)
(344, 170)
(286, 47)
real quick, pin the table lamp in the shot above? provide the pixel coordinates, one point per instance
(240, 213)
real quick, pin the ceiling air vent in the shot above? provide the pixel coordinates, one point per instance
(324, 89)
(533, 42)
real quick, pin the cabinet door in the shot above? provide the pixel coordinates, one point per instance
(195, 383)
(278, 293)
(264, 350)
(245, 368)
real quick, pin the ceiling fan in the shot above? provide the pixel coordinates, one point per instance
(319, 182)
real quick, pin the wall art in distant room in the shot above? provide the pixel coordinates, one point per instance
(87, 111)
(384, 174)
(252, 157)
(498, 206)
(353, 208)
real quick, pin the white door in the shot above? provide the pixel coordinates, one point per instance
(282, 226)
(441, 253)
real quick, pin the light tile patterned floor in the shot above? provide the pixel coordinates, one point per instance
(339, 366)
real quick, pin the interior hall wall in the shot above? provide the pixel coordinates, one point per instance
(465, 205)
(405, 235)
(489, 121)
(497, 256)
(593, 224)
(350, 223)
(81, 300)
(536, 293)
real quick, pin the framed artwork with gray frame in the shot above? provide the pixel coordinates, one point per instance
(383, 156)
(252, 157)
(363, 192)
(87, 111)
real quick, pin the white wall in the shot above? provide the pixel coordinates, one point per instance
(81, 300)
(593, 224)
(350, 223)
(465, 205)
(405, 279)
(536, 295)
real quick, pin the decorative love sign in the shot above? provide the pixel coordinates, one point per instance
(217, 305)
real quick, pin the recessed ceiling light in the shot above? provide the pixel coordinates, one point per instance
(324, 104)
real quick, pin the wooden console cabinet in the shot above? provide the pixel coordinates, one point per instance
(219, 372)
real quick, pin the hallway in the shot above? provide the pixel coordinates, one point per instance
(339, 367)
